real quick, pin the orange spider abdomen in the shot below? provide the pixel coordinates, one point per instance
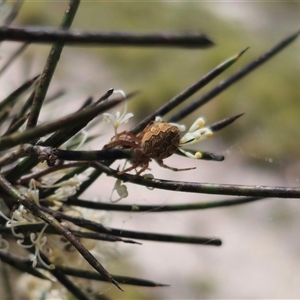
(160, 141)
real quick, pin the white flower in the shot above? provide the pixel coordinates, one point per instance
(195, 134)
(67, 188)
(119, 118)
(38, 241)
(63, 193)
(33, 192)
(20, 217)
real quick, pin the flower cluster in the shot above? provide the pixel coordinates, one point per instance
(21, 216)
(55, 247)
(195, 134)
(67, 188)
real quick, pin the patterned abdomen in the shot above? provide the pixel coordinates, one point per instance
(161, 140)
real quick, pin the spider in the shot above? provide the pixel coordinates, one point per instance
(157, 141)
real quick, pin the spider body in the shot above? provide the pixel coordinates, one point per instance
(160, 140)
(157, 141)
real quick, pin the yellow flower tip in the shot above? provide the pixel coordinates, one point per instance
(51, 267)
(198, 155)
(201, 122)
(209, 134)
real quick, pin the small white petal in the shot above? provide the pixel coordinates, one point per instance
(118, 115)
(197, 124)
(179, 126)
(195, 137)
(197, 155)
(127, 117)
(186, 153)
(188, 137)
(108, 118)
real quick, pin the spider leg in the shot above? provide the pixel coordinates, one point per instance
(143, 169)
(133, 137)
(125, 138)
(134, 166)
(160, 162)
(141, 135)
(119, 143)
(129, 169)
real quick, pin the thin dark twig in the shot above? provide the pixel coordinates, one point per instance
(65, 133)
(205, 155)
(25, 265)
(105, 154)
(36, 175)
(189, 40)
(20, 114)
(205, 188)
(223, 123)
(15, 94)
(160, 208)
(41, 130)
(191, 90)
(223, 85)
(50, 66)
(96, 276)
(102, 236)
(16, 125)
(169, 238)
(55, 96)
(11, 157)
